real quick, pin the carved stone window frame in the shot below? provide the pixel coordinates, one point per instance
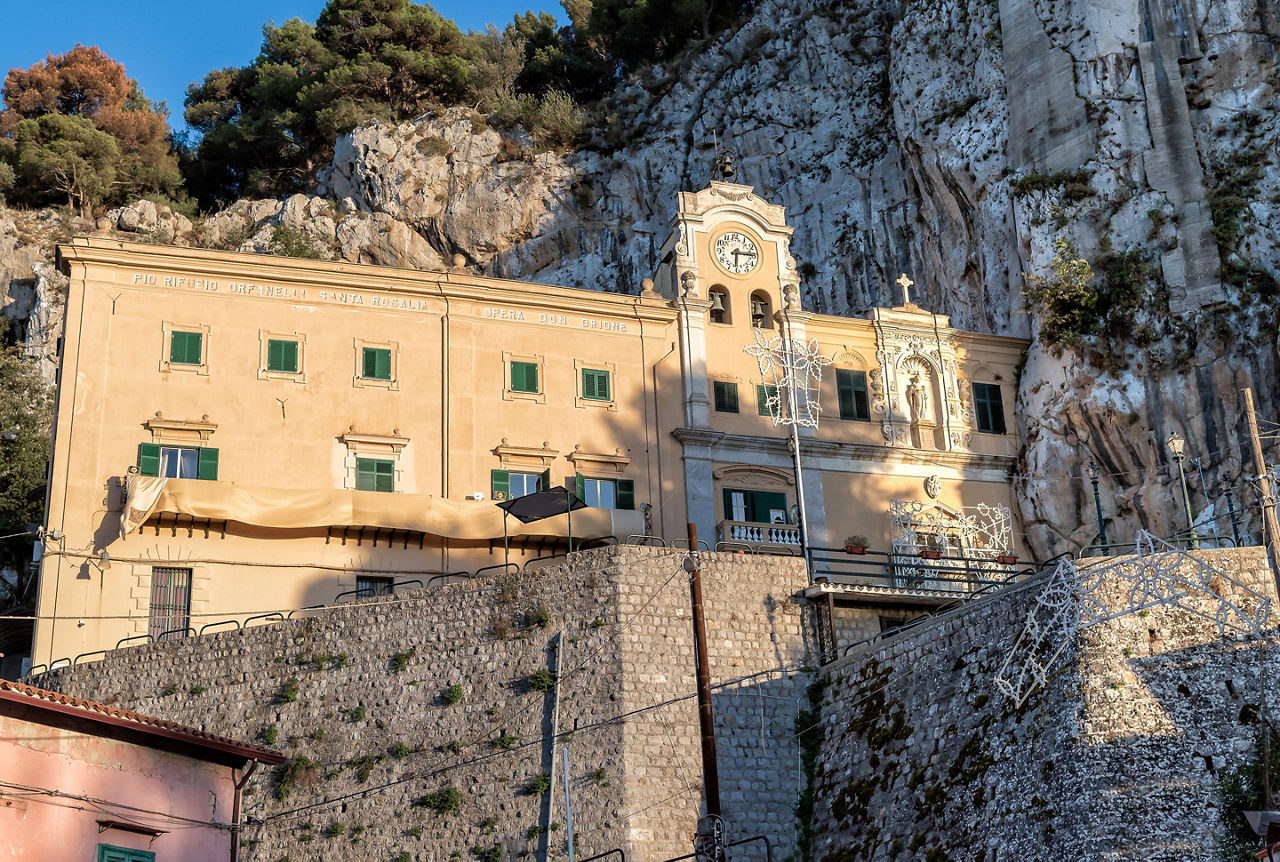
(385, 447)
(369, 382)
(168, 328)
(509, 394)
(265, 337)
(612, 404)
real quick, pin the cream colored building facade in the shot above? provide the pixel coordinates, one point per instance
(238, 434)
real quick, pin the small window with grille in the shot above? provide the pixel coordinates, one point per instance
(170, 613)
(368, 587)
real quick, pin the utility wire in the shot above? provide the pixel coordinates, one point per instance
(58, 794)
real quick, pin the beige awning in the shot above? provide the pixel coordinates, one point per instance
(288, 509)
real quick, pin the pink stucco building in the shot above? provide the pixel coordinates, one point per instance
(88, 782)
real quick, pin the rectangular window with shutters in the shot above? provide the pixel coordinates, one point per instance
(375, 363)
(726, 396)
(763, 394)
(178, 462)
(606, 493)
(989, 408)
(595, 385)
(851, 387)
(509, 485)
(375, 474)
(170, 602)
(282, 356)
(186, 348)
(524, 377)
(111, 853)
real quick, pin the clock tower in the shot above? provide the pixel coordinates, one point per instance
(727, 268)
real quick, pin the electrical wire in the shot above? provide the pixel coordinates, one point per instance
(94, 801)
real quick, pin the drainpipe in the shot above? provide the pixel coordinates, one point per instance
(444, 412)
(657, 419)
(235, 807)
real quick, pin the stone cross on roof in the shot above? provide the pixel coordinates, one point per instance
(905, 283)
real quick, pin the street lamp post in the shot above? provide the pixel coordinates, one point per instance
(1177, 447)
(1231, 511)
(1097, 507)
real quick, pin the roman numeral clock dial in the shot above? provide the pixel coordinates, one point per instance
(737, 253)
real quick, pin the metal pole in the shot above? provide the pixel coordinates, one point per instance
(1186, 503)
(706, 719)
(1272, 531)
(568, 506)
(1097, 507)
(506, 542)
(1231, 511)
(789, 359)
(568, 803)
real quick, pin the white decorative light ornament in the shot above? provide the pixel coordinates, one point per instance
(784, 368)
(1157, 574)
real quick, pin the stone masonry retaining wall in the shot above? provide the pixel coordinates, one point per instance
(356, 696)
(1119, 758)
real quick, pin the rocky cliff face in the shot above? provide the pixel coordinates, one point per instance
(953, 141)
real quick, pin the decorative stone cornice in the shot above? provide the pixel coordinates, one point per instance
(180, 430)
(846, 451)
(523, 456)
(392, 442)
(617, 460)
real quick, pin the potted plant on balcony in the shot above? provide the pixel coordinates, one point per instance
(931, 549)
(856, 545)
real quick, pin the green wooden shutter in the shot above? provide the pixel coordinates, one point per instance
(282, 356)
(149, 459)
(762, 399)
(207, 464)
(376, 363)
(580, 487)
(544, 480)
(588, 383)
(524, 377)
(366, 475)
(184, 347)
(386, 476)
(626, 494)
(499, 483)
(111, 853)
(760, 502)
(602, 385)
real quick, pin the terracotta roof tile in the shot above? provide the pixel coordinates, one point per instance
(38, 697)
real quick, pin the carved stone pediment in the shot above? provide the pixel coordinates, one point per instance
(180, 431)
(596, 461)
(510, 455)
(374, 444)
(754, 477)
(737, 197)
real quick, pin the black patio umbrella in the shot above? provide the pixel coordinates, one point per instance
(538, 506)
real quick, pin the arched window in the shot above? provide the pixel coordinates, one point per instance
(761, 313)
(719, 305)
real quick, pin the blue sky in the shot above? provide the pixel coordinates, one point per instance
(168, 45)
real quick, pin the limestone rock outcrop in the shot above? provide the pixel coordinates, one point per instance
(953, 141)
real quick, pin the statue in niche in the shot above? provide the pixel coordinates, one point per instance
(917, 400)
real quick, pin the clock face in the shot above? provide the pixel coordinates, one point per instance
(737, 253)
